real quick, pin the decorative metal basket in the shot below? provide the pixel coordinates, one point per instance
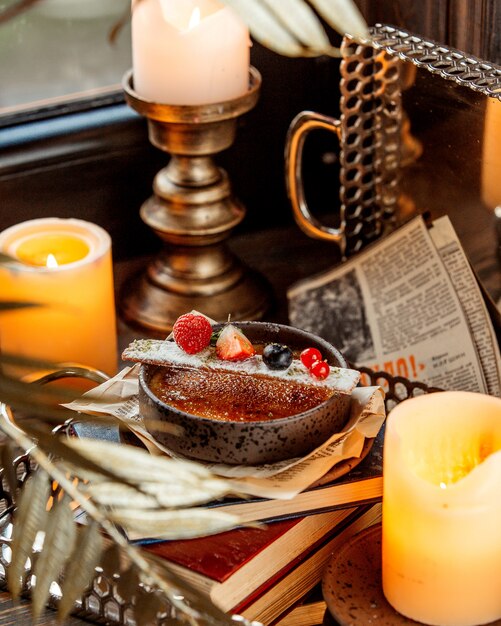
(102, 602)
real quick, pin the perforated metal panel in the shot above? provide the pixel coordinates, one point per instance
(371, 118)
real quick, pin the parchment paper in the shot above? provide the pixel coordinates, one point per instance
(284, 480)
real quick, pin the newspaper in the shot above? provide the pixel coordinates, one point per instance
(409, 305)
(119, 397)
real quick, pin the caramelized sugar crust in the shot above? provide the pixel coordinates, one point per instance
(229, 396)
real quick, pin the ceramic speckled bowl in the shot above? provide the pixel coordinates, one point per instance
(250, 442)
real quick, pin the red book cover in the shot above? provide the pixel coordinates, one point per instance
(219, 556)
(230, 567)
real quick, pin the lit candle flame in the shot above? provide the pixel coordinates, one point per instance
(443, 486)
(51, 262)
(195, 18)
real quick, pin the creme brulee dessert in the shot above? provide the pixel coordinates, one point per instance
(227, 395)
(239, 381)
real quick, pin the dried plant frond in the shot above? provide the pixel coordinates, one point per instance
(14, 10)
(134, 463)
(111, 561)
(7, 459)
(301, 21)
(119, 25)
(137, 573)
(293, 28)
(147, 606)
(174, 524)
(30, 516)
(6, 259)
(267, 28)
(200, 603)
(344, 16)
(60, 535)
(58, 446)
(127, 582)
(9, 305)
(81, 568)
(153, 495)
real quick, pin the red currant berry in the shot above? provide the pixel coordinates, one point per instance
(320, 370)
(309, 356)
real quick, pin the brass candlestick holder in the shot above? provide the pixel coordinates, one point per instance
(193, 212)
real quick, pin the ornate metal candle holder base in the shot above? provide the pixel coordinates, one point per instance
(193, 212)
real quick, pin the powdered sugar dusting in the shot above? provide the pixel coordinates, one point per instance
(160, 352)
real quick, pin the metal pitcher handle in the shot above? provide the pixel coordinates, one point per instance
(71, 371)
(301, 125)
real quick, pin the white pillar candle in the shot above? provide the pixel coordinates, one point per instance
(67, 269)
(441, 551)
(188, 52)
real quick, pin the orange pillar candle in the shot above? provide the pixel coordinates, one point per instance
(64, 266)
(441, 553)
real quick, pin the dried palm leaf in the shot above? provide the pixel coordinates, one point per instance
(81, 567)
(165, 476)
(189, 605)
(344, 16)
(127, 583)
(60, 448)
(60, 533)
(292, 28)
(7, 459)
(134, 463)
(30, 399)
(6, 259)
(175, 524)
(29, 518)
(301, 21)
(152, 495)
(119, 25)
(266, 28)
(146, 607)
(201, 603)
(9, 305)
(111, 562)
(13, 10)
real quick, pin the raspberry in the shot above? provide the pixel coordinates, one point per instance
(192, 332)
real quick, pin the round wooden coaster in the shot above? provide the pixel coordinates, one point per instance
(352, 588)
(352, 583)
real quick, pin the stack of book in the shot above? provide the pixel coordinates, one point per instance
(265, 573)
(261, 573)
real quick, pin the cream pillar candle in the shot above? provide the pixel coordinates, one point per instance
(442, 509)
(67, 268)
(188, 52)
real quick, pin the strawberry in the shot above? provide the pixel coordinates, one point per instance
(192, 332)
(233, 345)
